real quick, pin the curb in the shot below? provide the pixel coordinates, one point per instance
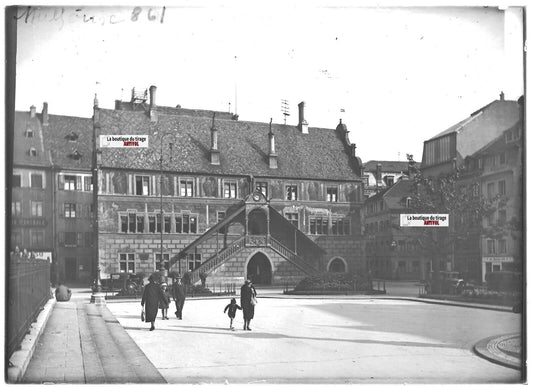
(489, 350)
(18, 362)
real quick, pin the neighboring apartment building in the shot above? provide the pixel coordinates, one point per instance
(69, 139)
(393, 252)
(239, 198)
(52, 198)
(477, 147)
(31, 207)
(497, 169)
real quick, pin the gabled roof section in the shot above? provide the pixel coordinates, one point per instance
(394, 195)
(28, 141)
(483, 126)
(69, 139)
(243, 146)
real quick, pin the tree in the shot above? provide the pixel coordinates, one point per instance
(458, 195)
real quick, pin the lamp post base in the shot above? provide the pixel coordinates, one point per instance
(98, 299)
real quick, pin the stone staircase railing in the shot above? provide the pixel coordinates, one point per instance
(293, 257)
(218, 258)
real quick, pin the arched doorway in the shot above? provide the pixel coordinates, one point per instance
(259, 270)
(337, 265)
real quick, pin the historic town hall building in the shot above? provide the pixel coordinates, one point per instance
(229, 198)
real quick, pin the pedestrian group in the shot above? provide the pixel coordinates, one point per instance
(157, 296)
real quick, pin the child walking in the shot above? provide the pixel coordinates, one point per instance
(163, 305)
(232, 306)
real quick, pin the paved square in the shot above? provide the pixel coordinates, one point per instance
(317, 340)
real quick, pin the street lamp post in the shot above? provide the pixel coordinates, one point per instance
(161, 215)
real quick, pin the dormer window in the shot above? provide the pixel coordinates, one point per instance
(75, 155)
(72, 136)
(408, 202)
(32, 152)
(29, 132)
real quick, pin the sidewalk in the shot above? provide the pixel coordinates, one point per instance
(83, 343)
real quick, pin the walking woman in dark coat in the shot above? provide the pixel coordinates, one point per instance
(152, 295)
(248, 301)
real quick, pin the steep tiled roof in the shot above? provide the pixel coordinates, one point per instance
(387, 166)
(483, 125)
(177, 111)
(70, 141)
(22, 143)
(243, 147)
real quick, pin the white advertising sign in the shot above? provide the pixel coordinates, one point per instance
(424, 220)
(127, 141)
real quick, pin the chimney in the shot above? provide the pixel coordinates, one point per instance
(272, 156)
(45, 113)
(502, 96)
(153, 106)
(378, 172)
(353, 149)
(32, 111)
(215, 153)
(302, 124)
(96, 112)
(411, 166)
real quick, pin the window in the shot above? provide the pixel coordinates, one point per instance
(220, 216)
(37, 238)
(167, 224)
(36, 208)
(166, 261)
(158, 223)
(491, 247)
(79, 239)
(32, 152)
(490, 218)
(16, 208)
(475, 189)
(292, 217)
(262, 187)
(29, 132)
(291, 192)
(503, 158)
(127, 262)
(142, 185)
(140, 224)
(70, 183)
(151, 224)
(194, 260)
(501, 188)
(16, 239)
(341, 226)
(332, 194)
(230, 190)
(365, 180)
(186, 188)
(132, 222)
(88, 238)
(318, 225)
(123, 223)
(186, 224)
(496, 268)
(490, 190)
(502, 246)
(502, 217)
(37, 181)
(408, 202)
(17, 181)
(70, 210)
(70, 238)
(88, 183)
(389, 180)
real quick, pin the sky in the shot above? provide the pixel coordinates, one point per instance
(396, 76)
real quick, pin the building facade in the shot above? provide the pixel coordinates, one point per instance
(225, 197)
(379, 175)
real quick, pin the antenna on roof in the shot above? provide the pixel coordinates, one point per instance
(236, 73)
(285, 109)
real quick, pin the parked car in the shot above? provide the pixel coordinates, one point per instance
(125, 283)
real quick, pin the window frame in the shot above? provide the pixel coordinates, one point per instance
(291, 192)
(332, 194)
(186, 186)
(36, 208)
(71, 210)
(143, 187)
(33, 177)
(231, 188)
(126, 261)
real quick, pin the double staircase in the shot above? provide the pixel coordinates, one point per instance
(249, 241)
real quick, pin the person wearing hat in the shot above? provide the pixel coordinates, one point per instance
(152, 295)
(248, 302)
(178, 294)
(163, 305)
